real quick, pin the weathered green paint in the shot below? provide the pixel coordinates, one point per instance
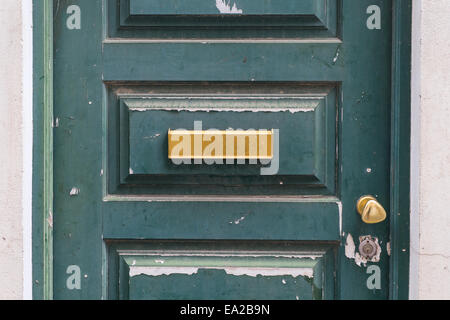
(299, 272)
(248, 7)
(89, 224)
(201, 19)
(400, 151)
(138, 130)
(43, 150)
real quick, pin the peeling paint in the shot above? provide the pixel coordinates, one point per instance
(336, 57)
(274, 110)
(239, 220)
(350, 247)
(153, 136)
(351, 253)
(235, 271)
(339, 204)
(50, 219)
(74, 192)
(225, 7)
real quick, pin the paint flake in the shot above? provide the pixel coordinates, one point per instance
(74, 192)
(235, 271)
(225, 7)
(273, 110)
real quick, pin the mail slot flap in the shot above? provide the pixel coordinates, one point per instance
(215, 7)
(221, 144)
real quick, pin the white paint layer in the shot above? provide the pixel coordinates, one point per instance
(226, 7)
(291, 110)
(235, 271)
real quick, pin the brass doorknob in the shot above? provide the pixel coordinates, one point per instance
(370, 209)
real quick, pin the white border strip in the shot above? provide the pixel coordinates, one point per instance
(27, 144)
(415, 151)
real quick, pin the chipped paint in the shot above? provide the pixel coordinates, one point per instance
(351, 253)
(74, 192)
(50, 219)
(350, 247)
(235, 271)
(131, 171)
(199, 109)
(339, 204)
(239, 220)
(153, 136)
(225, 7)
(292, 104)
(336, 57)
(388, 248)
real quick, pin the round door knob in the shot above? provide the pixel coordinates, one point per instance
(370, 209)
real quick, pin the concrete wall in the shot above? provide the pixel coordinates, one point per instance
(431, 138)
(430, 218)
(11, 154)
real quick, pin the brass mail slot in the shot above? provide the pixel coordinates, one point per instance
(221, 144)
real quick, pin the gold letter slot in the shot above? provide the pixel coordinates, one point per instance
(221, 144)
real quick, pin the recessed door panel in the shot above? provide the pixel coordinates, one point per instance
(223, 19)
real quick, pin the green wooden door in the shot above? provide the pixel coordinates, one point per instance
(129, 223)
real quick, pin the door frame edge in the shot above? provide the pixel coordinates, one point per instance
(42, 184)
(400, 151)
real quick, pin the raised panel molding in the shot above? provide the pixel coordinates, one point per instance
(139, 117)
(282, 270)
(223, 19)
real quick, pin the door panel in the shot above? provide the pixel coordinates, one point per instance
(193, 270)
(139, 226)
(222, 19)
(139, 119)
